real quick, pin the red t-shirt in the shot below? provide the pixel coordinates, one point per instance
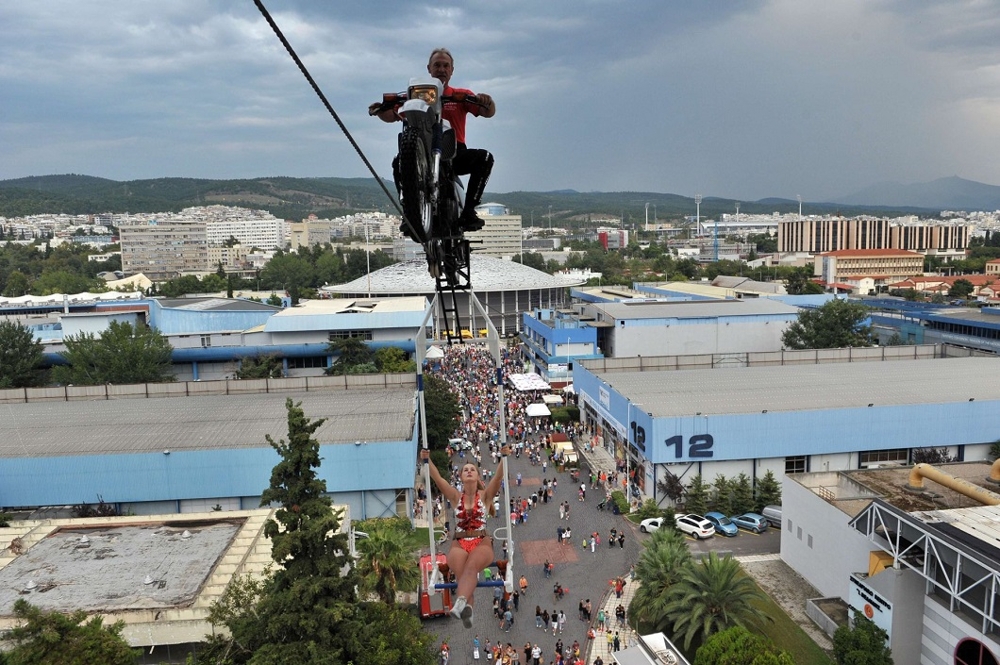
(455, 112)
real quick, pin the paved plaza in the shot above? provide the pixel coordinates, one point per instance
(584, 574)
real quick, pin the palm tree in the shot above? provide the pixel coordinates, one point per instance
(385, 563)
(711, 595)
(664, 558)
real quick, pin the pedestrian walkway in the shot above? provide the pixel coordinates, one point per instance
(585, 574)
(600, 646)
(597, 458)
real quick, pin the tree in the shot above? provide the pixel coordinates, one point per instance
(441, 407)
(932, 456)
(742, 494)
(664, 558)
(393, 360)
(738, 646)
(670, 486)
(531, 260)
(64, 281)
(696, 496)
(306, 610)
(353, 357)
(55, 637)
(385, 563)
(17, 285)
(837, 324)
(767, 492)
(962, 288)
(264, 366)
(122, 354)
(289, 272)
(311, 595)
(710, 596)
(20, 355)
(863, 643)
(389, 635)
(723, 495)
(799, 282)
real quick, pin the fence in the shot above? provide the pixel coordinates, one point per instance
(194, 388)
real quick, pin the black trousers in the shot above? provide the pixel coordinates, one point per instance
(477, 164)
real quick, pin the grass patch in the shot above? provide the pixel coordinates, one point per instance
(417, 539)
(787, 635)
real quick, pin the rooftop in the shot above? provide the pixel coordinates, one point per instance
(837, 385)
(207, 304)
(115, 426)
(694, 309)
(157, 574)
(488, 274)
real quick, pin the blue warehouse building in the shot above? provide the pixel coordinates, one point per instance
(929, 323)
(211, 336)
(789, 412)
(190, 447)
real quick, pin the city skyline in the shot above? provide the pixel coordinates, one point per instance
(750, 100)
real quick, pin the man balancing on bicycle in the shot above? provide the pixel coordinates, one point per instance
(473, 162)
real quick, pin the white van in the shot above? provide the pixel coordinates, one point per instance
(773, 515)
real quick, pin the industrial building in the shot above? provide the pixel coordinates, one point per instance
(789, 411)
(912, 549)
(929, 323)
(190, 446)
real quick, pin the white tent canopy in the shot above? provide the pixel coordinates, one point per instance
(434, 353)
(569, 389)
(538, 410)
(527, 382)
(552, 399)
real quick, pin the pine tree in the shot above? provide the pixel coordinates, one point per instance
(768, 492)
(696, 496)
(311, 596)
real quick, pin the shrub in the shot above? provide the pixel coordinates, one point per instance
(618, 497)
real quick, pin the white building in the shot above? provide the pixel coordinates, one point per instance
(501, 234)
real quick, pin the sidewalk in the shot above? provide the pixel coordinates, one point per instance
(599, 645)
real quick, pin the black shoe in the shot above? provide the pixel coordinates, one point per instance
(470, 221)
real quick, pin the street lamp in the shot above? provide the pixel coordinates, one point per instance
(550, 219)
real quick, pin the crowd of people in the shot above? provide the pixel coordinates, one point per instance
(470, 372)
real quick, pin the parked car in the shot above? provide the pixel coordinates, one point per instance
(695, 526)
(773, 515)
(650, 525)
(750, 522)
(722, 524)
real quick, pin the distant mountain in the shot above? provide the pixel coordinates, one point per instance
(952, 193)
(296, 198)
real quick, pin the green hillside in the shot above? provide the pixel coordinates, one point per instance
(295, 198)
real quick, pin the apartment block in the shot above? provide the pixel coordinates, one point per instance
(501, 234)
(164, 250)
(816, 236)
(884, 265)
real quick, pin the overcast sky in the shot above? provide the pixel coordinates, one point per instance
(735, 99)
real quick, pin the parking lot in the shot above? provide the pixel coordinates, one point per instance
(746, 543)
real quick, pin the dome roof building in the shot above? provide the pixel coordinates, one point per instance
(505, 289)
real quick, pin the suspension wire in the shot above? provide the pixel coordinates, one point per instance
(322, 97)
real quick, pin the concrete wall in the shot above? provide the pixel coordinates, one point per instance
(197, 480)
(942, 631)
(811, 530)
(903, 588)
(686, 336)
